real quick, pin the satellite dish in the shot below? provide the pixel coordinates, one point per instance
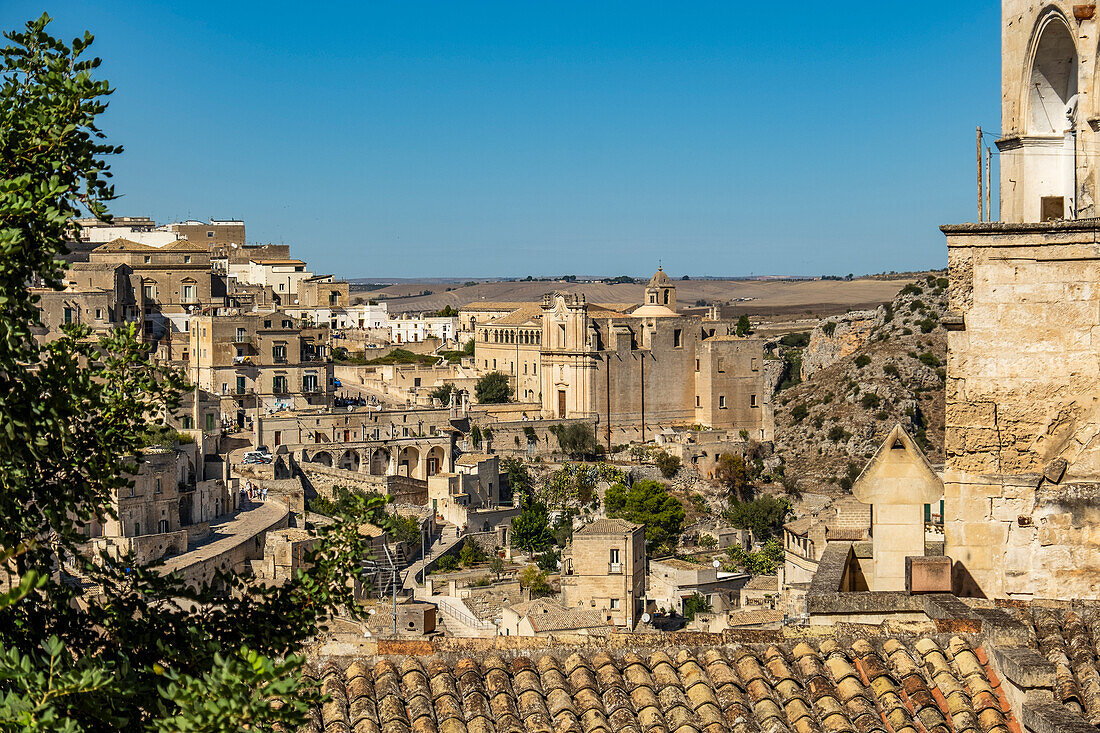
(717, 564)
(646, 618)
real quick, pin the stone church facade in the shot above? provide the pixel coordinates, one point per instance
(634, 369)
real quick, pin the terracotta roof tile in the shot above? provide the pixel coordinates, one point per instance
(832, 688)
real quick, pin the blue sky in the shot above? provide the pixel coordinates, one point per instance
(499, 139)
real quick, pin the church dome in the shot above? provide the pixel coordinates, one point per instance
(660, 279)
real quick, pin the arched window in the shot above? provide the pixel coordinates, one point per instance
(1053, 82)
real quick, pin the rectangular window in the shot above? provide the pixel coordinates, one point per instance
(677, 338)
(149, 292)
(278, 352)
(614, 603)
(309, 383)
(188, 293)
(614, 564)
(187, 422)
(721, 365)
(755, 366)
(210, 235)
(282, 287)
(279, 385)
(561, 336)
(158, 485)
(267, 324)
(697, 403)
(752, 400)
(240, 385)
(210, 418)
(147, 259)
(187, 259)
(162, 526)
(278, 438)
(98, 314)
(721, 402)
(696, 365)
(68, 315)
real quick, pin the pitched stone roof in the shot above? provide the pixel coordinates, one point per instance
(763, 582)
(1068, 639)
(472, 459)
(608, 526)
(866, 686)
(755, 617)
(799, 526)
(679, 564)
(548, 615)
(529, 313)
(124, 245)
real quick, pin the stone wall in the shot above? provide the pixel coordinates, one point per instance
(1023, 384)
(837, 337)
(404, 490)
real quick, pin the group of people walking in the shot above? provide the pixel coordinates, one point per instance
(250, 493)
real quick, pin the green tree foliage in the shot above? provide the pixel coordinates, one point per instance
(764, 562)
(146, 652)
(862, 360)
(668, 463)
(475, 436)
(468, 349)
(577, 440)
(535, 581)
(471, 553)
(496, 565)
(531, 529)
(493, 389)
(795, 340)
(732, 471)
(548, 560)
(443, 393)
(574, 484)
(695, 603)
(744, 327)
(447, 564)
(708, 542)
(518, 478)
(764, 515)
(648, 503)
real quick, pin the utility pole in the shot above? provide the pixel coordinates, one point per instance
(981, 200)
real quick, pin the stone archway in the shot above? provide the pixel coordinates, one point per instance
(322, 457)
(380, 462)
(349, 461)
(408, 462)
(436, 461)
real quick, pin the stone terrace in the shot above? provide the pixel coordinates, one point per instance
(936, 684)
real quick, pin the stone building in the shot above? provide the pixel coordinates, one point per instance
(1022, 473)
(604, 569)
(215, 235)
(260, 362)
(469, 497)
(174, 281)
(283, 275)
(635, 368)
(671, 581)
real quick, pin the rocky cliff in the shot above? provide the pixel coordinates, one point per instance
(837, 337)
(866, 372)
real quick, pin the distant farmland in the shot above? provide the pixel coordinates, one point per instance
(770, 298)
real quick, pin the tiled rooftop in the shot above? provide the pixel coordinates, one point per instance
(863, 687)
(607, 526)
(1068, 639)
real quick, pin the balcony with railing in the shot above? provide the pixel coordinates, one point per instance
(614, 568)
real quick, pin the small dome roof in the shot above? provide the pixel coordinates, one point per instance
(660, 279)
(654, 311)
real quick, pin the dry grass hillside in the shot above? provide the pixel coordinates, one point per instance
(755, 297)
(828, 425)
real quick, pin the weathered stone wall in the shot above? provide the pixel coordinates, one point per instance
(837, 337)
(1023, 395)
